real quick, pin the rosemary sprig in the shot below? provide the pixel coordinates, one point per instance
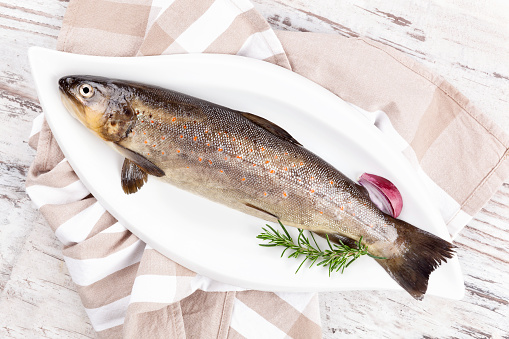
(336, 257)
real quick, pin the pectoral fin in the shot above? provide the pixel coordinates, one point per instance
(133, 177)
(271, 127)
(145, 164)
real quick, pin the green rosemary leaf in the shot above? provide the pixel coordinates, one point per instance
(284, 229)
(337, 258)
(302, 263)
(318, 247)
(313, 262)
(328, 242)
(284, 252)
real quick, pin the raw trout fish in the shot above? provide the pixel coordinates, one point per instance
(249, 164)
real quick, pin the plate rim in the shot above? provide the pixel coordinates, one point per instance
(35, 52)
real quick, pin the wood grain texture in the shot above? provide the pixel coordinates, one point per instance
(38, 298)
(465, 41)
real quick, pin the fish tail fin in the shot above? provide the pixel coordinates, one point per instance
(423, 253)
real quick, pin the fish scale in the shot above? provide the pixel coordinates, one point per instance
(249, 164)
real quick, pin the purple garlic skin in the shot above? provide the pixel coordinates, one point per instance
(384, 194)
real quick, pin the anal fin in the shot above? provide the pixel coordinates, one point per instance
(261, 210)
(133, 177)
(338, 239)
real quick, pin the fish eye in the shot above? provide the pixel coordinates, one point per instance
(86, 91)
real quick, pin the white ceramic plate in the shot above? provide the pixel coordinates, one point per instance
(211, 239)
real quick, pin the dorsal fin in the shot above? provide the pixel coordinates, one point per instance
(271, 127)
(140, 160)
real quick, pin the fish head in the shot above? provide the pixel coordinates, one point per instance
(102, 105)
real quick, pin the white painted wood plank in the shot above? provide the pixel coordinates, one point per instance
(40, 300)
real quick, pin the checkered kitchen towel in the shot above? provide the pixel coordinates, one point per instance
(129, 289)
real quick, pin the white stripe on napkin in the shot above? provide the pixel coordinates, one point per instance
(206, 284)
(155, 288)
(299, 301)
(214, 22)
(257, 46)
(250, 324)
(80, 225)
(115, 228)
(45, 195)
(37, 125)
(88, 271)
(108, 316)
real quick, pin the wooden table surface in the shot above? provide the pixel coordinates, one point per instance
(465, 41)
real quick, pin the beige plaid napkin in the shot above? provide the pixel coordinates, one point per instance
(129, 289)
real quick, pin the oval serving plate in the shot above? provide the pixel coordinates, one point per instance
(212, 239)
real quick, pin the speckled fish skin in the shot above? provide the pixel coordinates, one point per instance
(241, 161)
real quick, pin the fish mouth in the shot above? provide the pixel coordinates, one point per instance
(71, 103)
(65, 85)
